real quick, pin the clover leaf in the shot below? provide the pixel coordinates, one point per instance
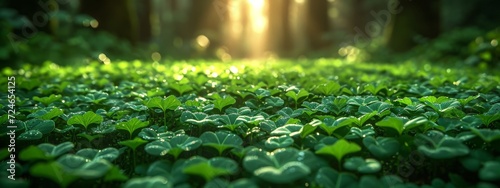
(85, 119)
(36, 128)
(221, 140)
(197, 118)
(362, 101)
(280, 166)
(420, 90)
(169, 103)
(115, 174)
(361, 165)
(181, 88)
(438, 146)
(274, 101)
(330, 125)
(488, 119)
(83, 167)
(400, 124)
(174, 146)
(56, 150)
(475, 160)
(156, 181)
(157, 133)
(45, 151)
(261, 93)
(357, 133)
(232, 121)
(339, 149)
(221, 102)
(492, 115)
(360, 121)
(109, 154)
(487, 135)
(490, 172)
(46, 113)
(381, 108)
(289, 113)
(53, 171)
(335, 105)
(328, 88)
(210, 168)
(133, 144)
(296, 96)
(329, 177)
(47, 100)
(132, 125)
(275, 142)
(308, 129)
(376, 87)
(96, 97)
(290, 129)
(381, 147)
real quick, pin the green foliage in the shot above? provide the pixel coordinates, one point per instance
(47, 113)
(221, 140)
(109, 154)
(339, 149)
(133, 144)
(334, 124)
(36, 128)
(439, 146)
(210, 168)
(381, 147)
(132, 125)
(328, 177)
(281, 165)
(362, 165)
(175, 146)
(169, 103)
(221, 102)
(53, 171)
(83, 167)
(47, 100)
(85, 119)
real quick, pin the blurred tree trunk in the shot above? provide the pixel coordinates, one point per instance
(357, 16)
(197, 14)
(417, 19)
(117, 17)
(144, 22)
(317, 23)
(279, 36)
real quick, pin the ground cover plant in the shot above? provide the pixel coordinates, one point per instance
(310, 123)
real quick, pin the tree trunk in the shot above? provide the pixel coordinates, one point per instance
(417, 19)
(317, 23)
(116, 17)
(279, 37)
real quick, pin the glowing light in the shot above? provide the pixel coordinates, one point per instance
(214, 75)
(203, 41)
(94, 23)
(343, 51)
(259, 22)
(494, 42)
(156, 56)
(104, 59)
(223, 55)
(246, 29)
(233, 69)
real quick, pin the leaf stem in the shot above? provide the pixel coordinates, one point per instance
(165, 118)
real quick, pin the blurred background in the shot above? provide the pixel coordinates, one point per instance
(76, 31)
